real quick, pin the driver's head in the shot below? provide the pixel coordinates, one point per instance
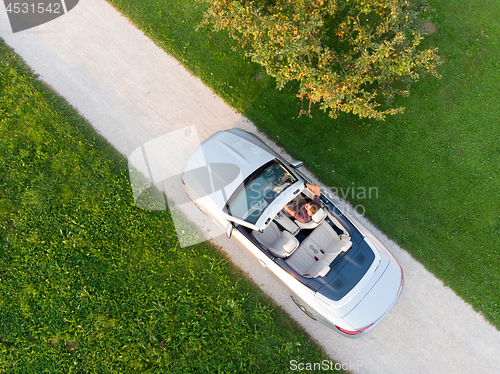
(312, 207)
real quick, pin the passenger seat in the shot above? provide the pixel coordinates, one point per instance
(279, 243)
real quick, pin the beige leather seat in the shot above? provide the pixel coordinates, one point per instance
(309, 261)
(279, 243)
(316, 219)
(318, 250)
(325, 237)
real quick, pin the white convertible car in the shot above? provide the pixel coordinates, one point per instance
(337, 275)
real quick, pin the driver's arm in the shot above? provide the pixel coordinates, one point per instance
(290, 211)
(314, 188)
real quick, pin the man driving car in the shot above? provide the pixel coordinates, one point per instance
(304, 211)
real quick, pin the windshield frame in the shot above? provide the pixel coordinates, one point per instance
(268, 200)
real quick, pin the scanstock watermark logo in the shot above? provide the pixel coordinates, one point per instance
(26, 14)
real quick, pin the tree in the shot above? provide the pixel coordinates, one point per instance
(347, 55)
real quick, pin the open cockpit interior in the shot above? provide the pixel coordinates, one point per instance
(308, 249)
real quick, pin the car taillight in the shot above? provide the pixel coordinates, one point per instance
(353, 332)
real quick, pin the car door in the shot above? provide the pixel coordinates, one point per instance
(263, 258)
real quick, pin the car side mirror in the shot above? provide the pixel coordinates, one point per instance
(229, 230)
(296, 164)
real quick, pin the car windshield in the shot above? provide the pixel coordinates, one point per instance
(258, 191)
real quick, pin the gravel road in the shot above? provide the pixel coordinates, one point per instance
(132, 92)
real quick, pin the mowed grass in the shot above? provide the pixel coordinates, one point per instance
(436, 167)
(90, 283)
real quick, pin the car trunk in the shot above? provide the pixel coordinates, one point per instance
(378, 300)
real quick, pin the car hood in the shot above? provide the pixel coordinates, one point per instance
(378, 300)
(220, 164)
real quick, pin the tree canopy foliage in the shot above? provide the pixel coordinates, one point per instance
(348, 55)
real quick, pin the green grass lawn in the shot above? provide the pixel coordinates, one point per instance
(90, 283)
(436, 167)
